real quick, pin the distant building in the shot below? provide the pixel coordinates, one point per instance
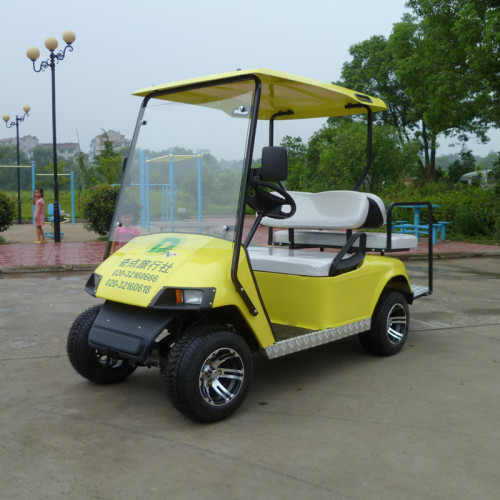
(66, 150)
(97, 143)
(26, 143)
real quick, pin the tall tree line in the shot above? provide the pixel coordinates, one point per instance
(438, 72)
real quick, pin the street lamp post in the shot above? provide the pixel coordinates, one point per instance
(16, 123)
(33, 53)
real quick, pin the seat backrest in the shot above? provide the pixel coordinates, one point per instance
(51, 209)
(325, 210)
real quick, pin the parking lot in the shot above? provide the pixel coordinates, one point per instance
(328, 423)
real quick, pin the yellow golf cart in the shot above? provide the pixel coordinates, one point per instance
(210, 258)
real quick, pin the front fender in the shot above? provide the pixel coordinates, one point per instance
(142, 270)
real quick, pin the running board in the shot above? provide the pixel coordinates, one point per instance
(316, 338)
(420, 291)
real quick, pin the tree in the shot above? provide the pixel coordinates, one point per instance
(336, 157)
(83, 170)
(8, 176)
(7, 211)
(108, 163)
(42, 157)
(372, 70)
(467, 34)
(437, 72)
(98, 211)
(296, 160)
(8, 155)
(375, 70)
(447, 61)
(465, 164)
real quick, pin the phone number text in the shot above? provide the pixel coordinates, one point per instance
(127, 285)
(135, 275)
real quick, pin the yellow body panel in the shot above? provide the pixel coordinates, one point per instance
(307, 98)
(318, 303)
(138, 271)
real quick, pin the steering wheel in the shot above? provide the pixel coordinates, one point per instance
(269, 202)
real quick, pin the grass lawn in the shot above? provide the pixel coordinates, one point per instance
(64, 202)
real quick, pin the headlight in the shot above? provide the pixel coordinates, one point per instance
(192, 296)
(183, 298)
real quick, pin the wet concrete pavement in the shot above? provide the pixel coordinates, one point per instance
(329, 423)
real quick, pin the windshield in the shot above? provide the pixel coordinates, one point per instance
(185, 171)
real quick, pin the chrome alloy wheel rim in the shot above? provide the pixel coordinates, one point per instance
(397, 323)
(221, 376)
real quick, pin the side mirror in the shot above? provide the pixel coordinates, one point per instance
(274, 164)
(124, 163)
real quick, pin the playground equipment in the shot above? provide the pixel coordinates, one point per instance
(169, 190)
(33, 185)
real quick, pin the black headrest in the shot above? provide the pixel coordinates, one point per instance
(374, 218)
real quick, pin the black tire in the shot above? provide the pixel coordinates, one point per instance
(390, 323)
(209, 372)
(90, 363)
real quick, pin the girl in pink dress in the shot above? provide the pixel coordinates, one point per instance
(39, 203)
(125, 232)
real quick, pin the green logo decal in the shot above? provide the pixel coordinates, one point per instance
(165, 245)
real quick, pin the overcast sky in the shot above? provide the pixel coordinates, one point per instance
(124, 45)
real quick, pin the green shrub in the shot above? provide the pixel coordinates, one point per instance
(98, 210)
(7, 211)
(472, 211)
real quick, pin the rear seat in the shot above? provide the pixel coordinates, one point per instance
(322, 218)
(375, 242)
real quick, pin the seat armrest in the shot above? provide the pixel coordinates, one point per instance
(341, 264)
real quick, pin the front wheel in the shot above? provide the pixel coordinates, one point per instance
(208, 373)
(90, 363)
(390, 323)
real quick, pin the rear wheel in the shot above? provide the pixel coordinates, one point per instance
(90, 363)
(390, 323)
(208, 373)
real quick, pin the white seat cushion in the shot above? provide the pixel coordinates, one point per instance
(286, 261)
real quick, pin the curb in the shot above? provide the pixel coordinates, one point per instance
(448, 255)
(91, 267)
(49, 268)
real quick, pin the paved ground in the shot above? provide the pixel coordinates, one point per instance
(81, 250)
(329, 423)
(72, 233)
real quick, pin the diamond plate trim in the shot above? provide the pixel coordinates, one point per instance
(314, 339)
(419, 291)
